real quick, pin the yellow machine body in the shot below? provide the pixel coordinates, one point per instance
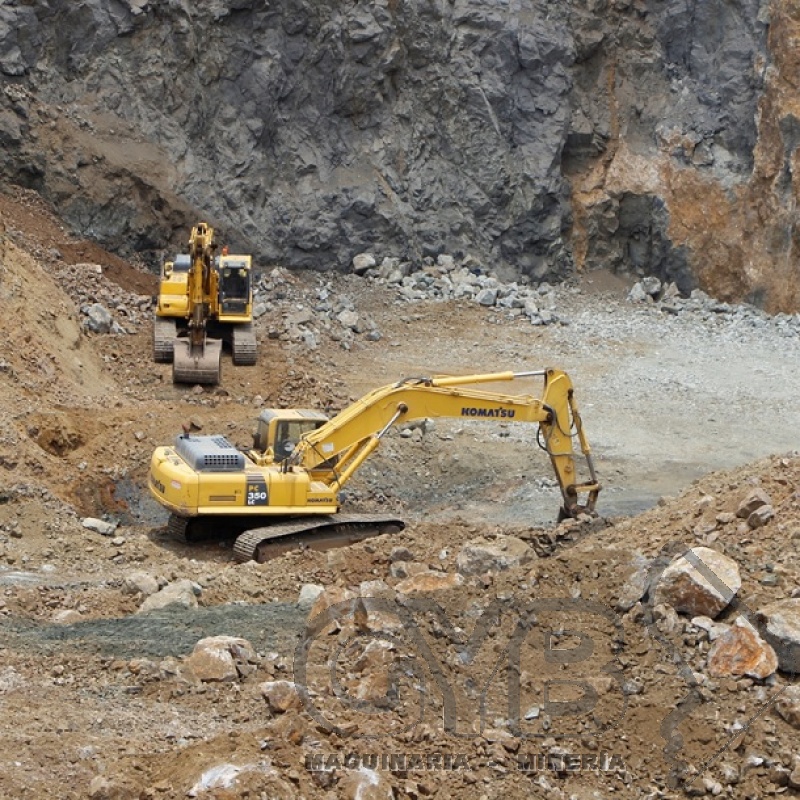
(204, 300)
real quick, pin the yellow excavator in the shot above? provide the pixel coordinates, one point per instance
(285, 491)
(204, 299)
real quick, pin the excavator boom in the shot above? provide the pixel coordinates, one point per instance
(355, 432)
(196, 358)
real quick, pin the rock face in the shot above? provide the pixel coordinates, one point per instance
(690, 591)
(536, 136)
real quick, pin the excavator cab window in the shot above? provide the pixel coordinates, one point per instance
(234, 288)
(288, 433)
(261, 436)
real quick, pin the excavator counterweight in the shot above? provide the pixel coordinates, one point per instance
(286, 490)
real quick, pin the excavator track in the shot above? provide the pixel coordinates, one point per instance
(321, 533)
(164, 333)
(244, 345)
(191, 530)
(177, 528)
(199, 367)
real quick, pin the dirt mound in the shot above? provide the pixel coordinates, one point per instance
(28, 219)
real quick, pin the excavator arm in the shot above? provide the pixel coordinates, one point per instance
(348, 439)
(198, 358)
(201, 254)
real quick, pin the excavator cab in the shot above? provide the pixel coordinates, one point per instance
(280, 430)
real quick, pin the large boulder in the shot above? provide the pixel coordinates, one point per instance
(702, 591)
(181, 593)
(741, 651)
(221, 659)
(482, 555)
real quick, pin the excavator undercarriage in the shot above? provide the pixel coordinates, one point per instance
(274, 538)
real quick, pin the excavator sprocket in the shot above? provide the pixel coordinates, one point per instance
(244, 345)
(320, 533)
(201, 366)
(164, 333)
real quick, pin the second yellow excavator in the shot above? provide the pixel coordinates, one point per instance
(204, 299)
(285, 492)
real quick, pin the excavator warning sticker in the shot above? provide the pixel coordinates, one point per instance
(256, 494)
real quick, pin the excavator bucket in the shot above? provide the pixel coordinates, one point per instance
(198, 365)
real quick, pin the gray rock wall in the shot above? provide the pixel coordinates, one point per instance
(537, 136)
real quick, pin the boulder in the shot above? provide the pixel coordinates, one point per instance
(741, 651)
(373, 588)
(713, 629)
(760, 517)
(637, 294)
(99, 319)
(429, 581)
(349, 319)
(331, 596)
(754, 500)
(362, 262)
(788, 705)
(689, 591)
(404, 569)
(179, 593)
(633, 589)
(140, 583)
(221, 658)
(309, 593)
(281, 696)
(480, 555)
(99, 526)
(400, 554)
(651, 286)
